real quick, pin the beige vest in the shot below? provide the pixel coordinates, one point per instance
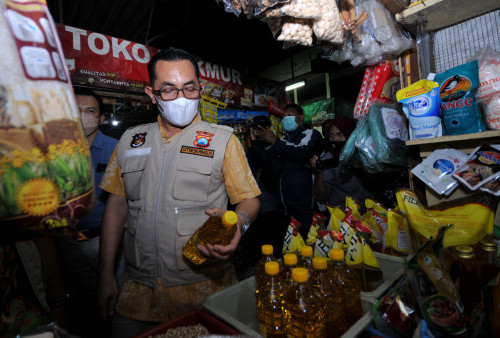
(168, 187)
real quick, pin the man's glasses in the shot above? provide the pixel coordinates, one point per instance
(171, 93)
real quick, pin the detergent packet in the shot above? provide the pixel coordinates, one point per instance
(459, 108)
(438, 168)
(483, 166)
(421, 106)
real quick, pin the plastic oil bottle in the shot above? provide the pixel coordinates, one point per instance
(267, 256)
(487, 261)
(304, 308)
(269, 301)
(289, 262)
(469, 290)
(306, 255)
(215, 230)
(351, 286)
(323, 281)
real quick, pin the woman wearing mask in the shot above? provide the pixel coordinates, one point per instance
(333, 182)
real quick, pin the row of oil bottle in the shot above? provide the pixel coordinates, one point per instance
(307, 296)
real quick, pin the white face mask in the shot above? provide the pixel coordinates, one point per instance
(179, 112)
(90, 124)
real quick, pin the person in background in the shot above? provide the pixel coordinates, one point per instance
(333, 182)
(164, 179)
(296, 148)
(265, 229)
(80, 257)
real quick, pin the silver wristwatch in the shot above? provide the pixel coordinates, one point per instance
(247, 223)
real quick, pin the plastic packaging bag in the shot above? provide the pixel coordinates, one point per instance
(366, 148)
(349, 157)
(296, 31)
(459, 109)
(488, 95)
(389, 133)
(46, 181)
(482, 166)
(438, 168)
(421, 105)
(328, 26)
(293, 240)
(301, 9)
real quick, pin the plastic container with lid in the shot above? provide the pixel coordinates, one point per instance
(306, 255)
(216, 230)
(289, 262)
(267, 256)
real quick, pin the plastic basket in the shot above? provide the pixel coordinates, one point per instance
(236, 306)
(193, 317)
(392, 269)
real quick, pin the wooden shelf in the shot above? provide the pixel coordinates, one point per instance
(454, 138)
(443, 13)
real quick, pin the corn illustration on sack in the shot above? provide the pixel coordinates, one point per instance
(46, 181)
(472, 218)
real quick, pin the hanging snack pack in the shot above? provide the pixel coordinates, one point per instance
(482, 166)
(459, 108)
(296, 31)
(472, 217)
(389, 134)
(421, 106)
(438, 168)
(46, 181)
(488, 94)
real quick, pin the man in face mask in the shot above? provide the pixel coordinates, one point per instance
(80, 257)
(333, 182)
(164, 179)
(297, 146)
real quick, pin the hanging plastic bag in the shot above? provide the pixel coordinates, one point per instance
(328, 26)
(46, 179)
(366, 148)
(348, 157)
(389, 133)
(296, 31)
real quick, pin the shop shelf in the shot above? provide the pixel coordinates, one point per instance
(193, 317)
(236, 306)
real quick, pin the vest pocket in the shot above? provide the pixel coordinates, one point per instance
(132, 180)
(188, 220)
(192, 182)
(131, 250)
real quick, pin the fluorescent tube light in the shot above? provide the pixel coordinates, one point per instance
(295, 85)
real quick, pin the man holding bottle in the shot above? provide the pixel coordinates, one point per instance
(164, 179)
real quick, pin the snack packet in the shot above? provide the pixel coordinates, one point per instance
(421, 105)
(439, 301)
(472, 217)
(398, 233)
(482, 166)
(293, 240)
(313, 232)
(336, 218)
(326, 241)
(353, 206)
(438, 169)
(459, 109)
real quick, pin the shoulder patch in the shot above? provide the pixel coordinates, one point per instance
(138, 140)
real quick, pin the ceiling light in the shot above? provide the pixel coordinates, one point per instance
(115, 122)
(295, 85)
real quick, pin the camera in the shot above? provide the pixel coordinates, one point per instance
(327, 164)
(259, 120)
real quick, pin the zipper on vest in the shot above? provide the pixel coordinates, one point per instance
(159, 267)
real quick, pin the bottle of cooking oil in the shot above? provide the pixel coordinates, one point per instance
(487, 261)
(267, 256)
(304, 308)
(306, 255)
(469, 290)
(269, 299)
(323, 281)
(351, 286)
(290, 262)
(215, 230)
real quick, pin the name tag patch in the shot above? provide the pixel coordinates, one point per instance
(197, 151)
(138, 152)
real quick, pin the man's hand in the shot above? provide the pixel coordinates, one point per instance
(107, 293)
(265, 135)
(314, 162)
(222, 252)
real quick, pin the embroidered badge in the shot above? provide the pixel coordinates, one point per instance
(203, 139)
(197, 151)
(138, 140)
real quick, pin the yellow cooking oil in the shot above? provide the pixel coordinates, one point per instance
(267, 256)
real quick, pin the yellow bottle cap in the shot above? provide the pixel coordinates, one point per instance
(229, 219)
(267, 249)
(337, 254)
(272, 268)
(300, 275)
(319, 263)
(306, 251)
(488, 245)
(290, 259)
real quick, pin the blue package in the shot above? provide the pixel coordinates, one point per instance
(459, 108)
(421, 105)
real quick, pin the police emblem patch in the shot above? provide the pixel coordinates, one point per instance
(138, 140)
(203, 139)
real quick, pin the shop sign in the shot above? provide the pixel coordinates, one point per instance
(99, 60)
